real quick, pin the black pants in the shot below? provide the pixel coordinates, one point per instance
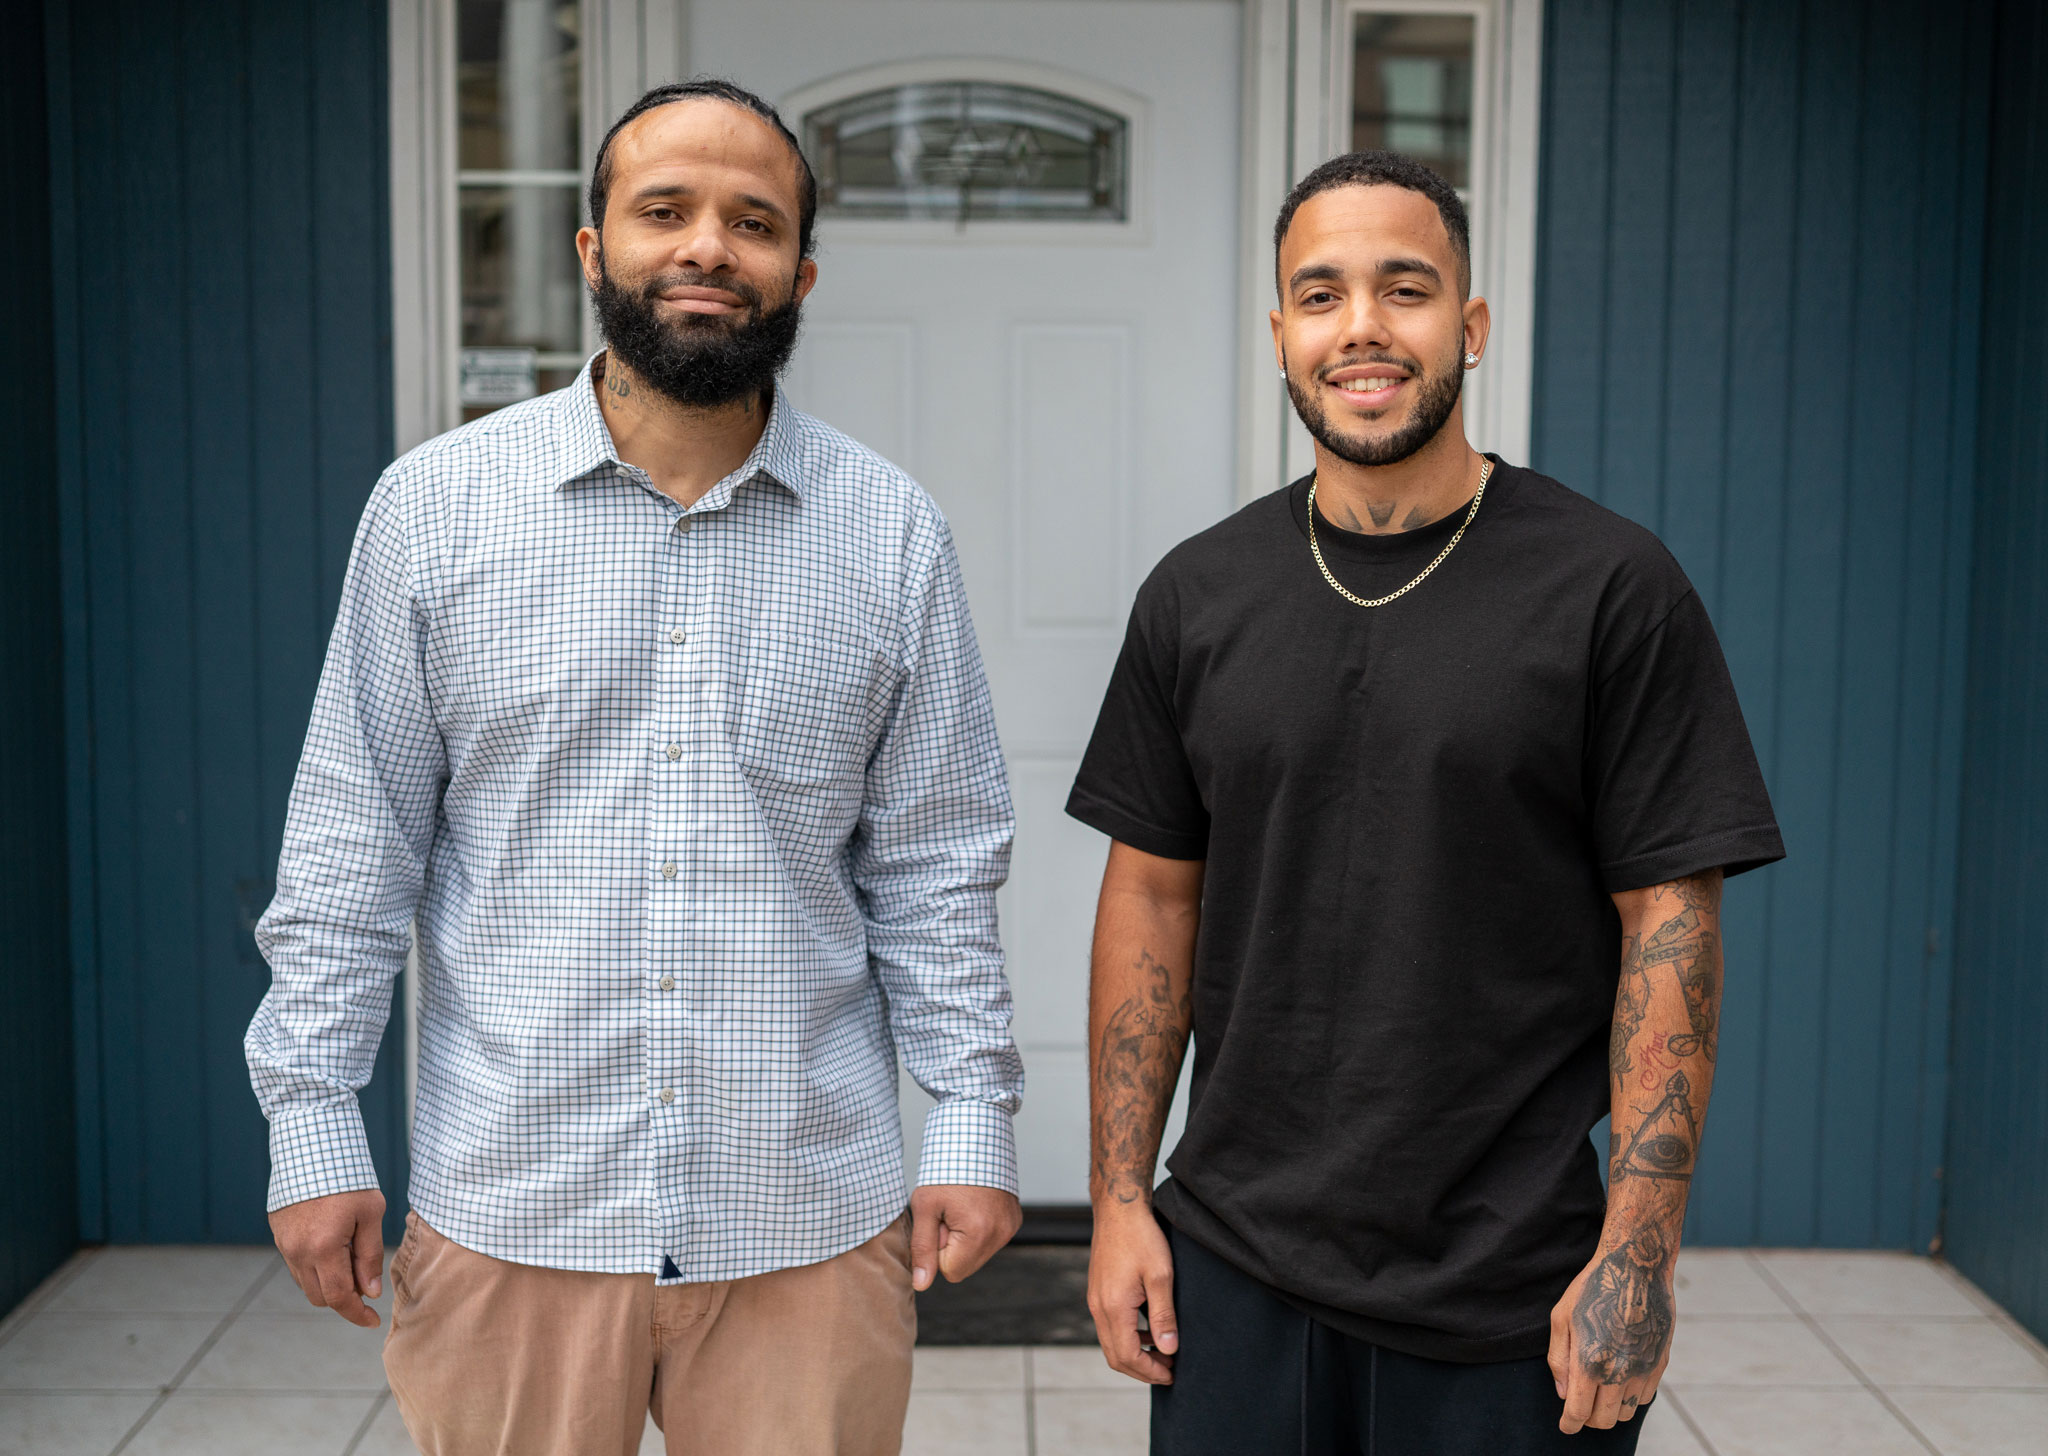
(1257, 1377)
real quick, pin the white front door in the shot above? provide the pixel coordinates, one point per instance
(1064, 389)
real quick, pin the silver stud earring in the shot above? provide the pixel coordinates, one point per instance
(1283, 371)
(1471, 360)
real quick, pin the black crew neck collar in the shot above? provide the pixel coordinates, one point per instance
(1423, 541)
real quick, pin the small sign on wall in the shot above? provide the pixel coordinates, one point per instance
(498, 376)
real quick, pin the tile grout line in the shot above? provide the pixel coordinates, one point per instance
(165, 1392)
(1825, 1338)
(363, 1429)
(61, 1278)
(1998, 1313)
(1030, 1404)
(1685, 1419)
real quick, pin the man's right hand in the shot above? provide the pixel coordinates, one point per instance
(1130, 1269)
(334, 1247)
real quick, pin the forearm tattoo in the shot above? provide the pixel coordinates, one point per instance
(1667, 1012)
(1136, 1067)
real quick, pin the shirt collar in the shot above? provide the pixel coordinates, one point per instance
(584, 444)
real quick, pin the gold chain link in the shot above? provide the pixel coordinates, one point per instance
(1485, 471)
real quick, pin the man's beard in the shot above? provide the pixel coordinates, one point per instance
(699, 360)
(1436, 396)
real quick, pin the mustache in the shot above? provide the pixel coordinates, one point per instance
(1378, 356)
(739, 288)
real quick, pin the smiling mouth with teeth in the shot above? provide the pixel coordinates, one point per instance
(1376, 384)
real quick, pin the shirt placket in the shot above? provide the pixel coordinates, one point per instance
(676, 749)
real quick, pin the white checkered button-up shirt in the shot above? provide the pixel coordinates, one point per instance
(694, 809)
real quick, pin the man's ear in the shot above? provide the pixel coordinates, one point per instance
(590, 252)
(806, 279)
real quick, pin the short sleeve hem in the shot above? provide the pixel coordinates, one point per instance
(1732, 851)
(1126, 828)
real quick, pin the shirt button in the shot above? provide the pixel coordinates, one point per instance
(676, 636)
(675, 751)
(668, 1094)
(668, 871)
(683, 526)
(668, 983)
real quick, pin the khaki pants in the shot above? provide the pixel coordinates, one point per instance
(488, 1358)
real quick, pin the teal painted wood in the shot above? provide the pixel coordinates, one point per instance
(1997, 1173)
(38, 1194)
(1755, 217)
(225, 405)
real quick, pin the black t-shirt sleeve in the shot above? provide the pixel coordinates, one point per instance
(1672, 780)
(1135, 783)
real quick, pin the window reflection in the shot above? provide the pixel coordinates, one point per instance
(1411, 89)
(968, 149)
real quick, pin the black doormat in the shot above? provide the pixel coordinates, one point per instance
(1028, 1294)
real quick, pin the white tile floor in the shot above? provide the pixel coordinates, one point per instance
(212, 1352)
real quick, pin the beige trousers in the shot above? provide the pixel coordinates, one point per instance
(488, 1358)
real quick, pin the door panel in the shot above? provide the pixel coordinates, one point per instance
(1064, 391)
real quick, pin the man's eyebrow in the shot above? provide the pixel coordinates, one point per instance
(1315, 273)
(1427, 269)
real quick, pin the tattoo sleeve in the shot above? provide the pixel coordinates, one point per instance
(1667, 1012)
(1143, 1010)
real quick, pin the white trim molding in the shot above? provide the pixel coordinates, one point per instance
(1296, 112)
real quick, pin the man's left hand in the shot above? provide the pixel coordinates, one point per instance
(954, 1229)
(1610, 1336)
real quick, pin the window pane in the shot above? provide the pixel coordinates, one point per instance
(519, 78)
(968, 149)
(520, 281)
(1411, 90)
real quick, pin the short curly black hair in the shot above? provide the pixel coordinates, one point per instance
(1390, 169)
(713, 89)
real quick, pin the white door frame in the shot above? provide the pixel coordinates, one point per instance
(1293, 120)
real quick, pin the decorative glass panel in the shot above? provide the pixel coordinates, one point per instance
(969, 149)
(1411, 89)
(518, 80)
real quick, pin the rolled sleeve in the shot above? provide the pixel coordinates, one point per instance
(932, 850)
(349, 875)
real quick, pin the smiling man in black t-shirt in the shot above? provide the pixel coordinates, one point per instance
(1423, 776)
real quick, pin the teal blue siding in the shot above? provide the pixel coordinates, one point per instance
(1997, 1174)
(38, 1194)
(223, 376)
(1759, 221)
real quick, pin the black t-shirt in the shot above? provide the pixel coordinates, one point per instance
(1413, 817)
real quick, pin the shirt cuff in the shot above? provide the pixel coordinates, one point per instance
(316, 1149)
(967, 1141)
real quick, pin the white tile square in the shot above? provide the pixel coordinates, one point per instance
(952, 1422)
(1979, 1422)
(1740, 1421)
(1752, 1352)
(286, 1353)
(967, 1367)
(1723, 1281)
(163, 1279)
(280, 1295)
(1937, 1352)
(1076, 1367)
(66, 1425)
(252, 1425)
(1095, 1422)
(1825, 1282)
(101, 1352)
(388, 1436)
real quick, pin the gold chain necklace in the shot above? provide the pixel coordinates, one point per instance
(1449, 546)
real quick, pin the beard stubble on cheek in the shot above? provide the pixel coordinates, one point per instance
(1436, 396)
(700, 360)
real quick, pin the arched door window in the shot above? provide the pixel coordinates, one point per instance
(958, 150)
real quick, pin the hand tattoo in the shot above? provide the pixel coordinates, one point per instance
(1624, 1317)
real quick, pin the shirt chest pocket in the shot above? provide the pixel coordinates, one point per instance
(812, 707)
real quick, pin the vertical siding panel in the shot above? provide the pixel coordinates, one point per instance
(1810, 628)
(1572, 258)
(1752, 578)
(1863, 956)
(38, 1198)
(230, 972)
(1638, 259)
